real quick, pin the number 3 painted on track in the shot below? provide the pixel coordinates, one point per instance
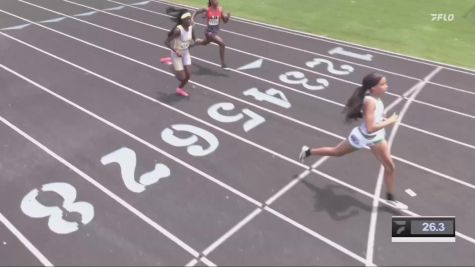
(31, 207)
(302, 80)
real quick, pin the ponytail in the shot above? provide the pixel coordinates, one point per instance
(354, 105)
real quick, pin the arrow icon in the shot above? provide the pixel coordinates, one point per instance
(253, 65)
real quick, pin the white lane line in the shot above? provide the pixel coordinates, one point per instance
(17, 27)
(470, 116)
(439, 136)
(317, 235)
(192, 263)
(379, 182)
(295, 181)
(257, 211)
(410, 192)
(27, 243)
(86, 14)
(52, 20)
(114, 8)
(442, 175)
(231, 231)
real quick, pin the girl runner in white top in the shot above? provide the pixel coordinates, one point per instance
(366, 103)
(179, 40)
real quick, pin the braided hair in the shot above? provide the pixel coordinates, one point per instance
(175, 14)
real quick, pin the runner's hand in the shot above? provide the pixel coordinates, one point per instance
(393, 118)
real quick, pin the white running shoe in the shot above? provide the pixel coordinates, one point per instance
(398, 205)
(302, 153)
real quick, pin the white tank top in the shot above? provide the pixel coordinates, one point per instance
(378, 115)
(183, 41)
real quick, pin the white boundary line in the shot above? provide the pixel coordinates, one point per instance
(20, 236)
(229, 96)
(379, 181)
(340, 42)
(264, 80)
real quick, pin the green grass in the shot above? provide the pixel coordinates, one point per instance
(402, 26)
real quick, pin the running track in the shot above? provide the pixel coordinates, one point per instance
(102, 164)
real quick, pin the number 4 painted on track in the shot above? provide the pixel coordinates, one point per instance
(271, 95)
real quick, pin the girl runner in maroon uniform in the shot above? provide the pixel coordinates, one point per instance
(214, 14)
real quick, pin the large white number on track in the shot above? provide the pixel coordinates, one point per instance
(300, 79)
(31, 207)
(254, 121)
(127, 160)
(194, 150)
(271, 95)
(346, 69)
(343, 52)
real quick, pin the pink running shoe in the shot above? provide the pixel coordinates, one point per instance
(181, 92)
(166, 60)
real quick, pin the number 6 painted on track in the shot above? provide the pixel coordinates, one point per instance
(194, 150)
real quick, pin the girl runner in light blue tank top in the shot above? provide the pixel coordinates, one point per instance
(365, 103)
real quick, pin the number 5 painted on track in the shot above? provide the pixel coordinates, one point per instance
(254, 121)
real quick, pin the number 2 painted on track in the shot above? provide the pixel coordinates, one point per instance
(346, 69)
(127, 160)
